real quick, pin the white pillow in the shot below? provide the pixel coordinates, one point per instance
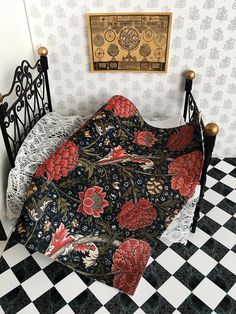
(49, 133)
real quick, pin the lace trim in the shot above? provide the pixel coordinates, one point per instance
(49, 133)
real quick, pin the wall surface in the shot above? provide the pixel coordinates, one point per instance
(203, 39)
(15, 46)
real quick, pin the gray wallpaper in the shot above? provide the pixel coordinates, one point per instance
(203, 39)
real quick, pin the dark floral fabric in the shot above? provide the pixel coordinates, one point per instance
(101, 200)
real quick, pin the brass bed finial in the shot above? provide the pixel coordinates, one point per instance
(1, 98)
(43, 51)
(211, 129)
(189, 75)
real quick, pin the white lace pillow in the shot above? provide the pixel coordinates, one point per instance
(49, 132)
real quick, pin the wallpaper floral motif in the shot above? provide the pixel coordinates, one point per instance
(203, 38)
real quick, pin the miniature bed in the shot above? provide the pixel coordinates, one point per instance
(133, 158)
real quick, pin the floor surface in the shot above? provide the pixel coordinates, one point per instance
(197, 278)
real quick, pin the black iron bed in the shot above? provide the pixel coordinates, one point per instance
(33, 101)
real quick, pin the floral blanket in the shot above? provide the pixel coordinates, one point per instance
(101, 200)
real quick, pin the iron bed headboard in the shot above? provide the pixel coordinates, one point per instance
(34, 100)
(30, 87)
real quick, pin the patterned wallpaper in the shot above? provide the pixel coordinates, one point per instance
(203, 38)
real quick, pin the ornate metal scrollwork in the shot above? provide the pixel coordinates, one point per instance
(31, 100)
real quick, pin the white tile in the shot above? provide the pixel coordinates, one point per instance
(232, 292)
(42, 260)
(226, 237)
(8, 282)
(199, 237)
(30, 308)
(170, 260)
(202, 262)
(229, 261)
(174, 291)
(150, 260)
(213, 197)
(102, 310)
(1, 310)
(65, 310)
(218, 215)
(209, 293)
(139, 311)
(102, 292)
(70, 286)
(210, 181)
(15, 254)
(37, 285)
(224, 166)
(166, 241)
(144, 291)
(229, 180)
(232, 196)
(2, 247)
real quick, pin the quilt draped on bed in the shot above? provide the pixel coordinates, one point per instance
(101, 200)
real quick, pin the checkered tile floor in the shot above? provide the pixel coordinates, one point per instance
(197, 278)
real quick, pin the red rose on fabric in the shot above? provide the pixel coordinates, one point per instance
(93, 201)
(134, 216)
(145, 138)
(60, 163)
(186, 171)
(179, 141)
(130, 259)
(59, 238)
(122, 107)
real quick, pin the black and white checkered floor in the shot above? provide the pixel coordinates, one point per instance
(197, 278)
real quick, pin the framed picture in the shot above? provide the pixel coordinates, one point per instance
(129, 41)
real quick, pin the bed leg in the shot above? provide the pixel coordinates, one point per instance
(210, 132)
(3, 235)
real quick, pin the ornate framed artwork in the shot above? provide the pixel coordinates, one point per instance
(129, 41)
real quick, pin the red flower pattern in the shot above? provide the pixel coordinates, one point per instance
(59, 238)
(145, 138)
(186, 171)
(116, 153)
(129, 261)
(93, 201)
(60, 163)
(122, 106)
(134, 216)
(179, 141)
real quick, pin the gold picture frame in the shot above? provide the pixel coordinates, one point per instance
(129, 41)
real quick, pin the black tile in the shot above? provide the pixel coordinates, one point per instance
(205, 206)
(233, 173)
(156, 275)
(234, 249)
(231, 224)
(185, 251)
(227, 305)
(49, 302)
(208, 225)
(25, 269)
(222, 277)
(231, 161)
(11, 242)
(215, 249)
(159, 248)
(56, 272)
(215, 161)
(222, 189)
(3, 265)
(189, 276)
(157, 304)
(228, 206)
(121, 303)
(87, 280)
(14, 301)
(194, 305)
(216, 173)
(85, 303)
